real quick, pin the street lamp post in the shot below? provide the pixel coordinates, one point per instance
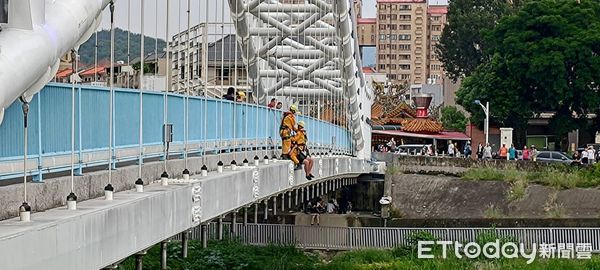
(486, 127)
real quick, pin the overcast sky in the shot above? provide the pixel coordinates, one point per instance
(155, 22)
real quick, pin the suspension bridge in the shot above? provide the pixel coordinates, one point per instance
(108, 171)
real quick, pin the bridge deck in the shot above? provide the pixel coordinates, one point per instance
(102, 232)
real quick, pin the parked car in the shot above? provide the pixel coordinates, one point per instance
(411, 149)
(554, 156)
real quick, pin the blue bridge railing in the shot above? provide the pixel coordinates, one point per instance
(214, 125)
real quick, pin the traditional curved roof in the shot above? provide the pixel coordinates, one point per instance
(422, 125)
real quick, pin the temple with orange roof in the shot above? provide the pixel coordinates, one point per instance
(408, 125)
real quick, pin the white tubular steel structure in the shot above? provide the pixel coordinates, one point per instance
(38, 34)
(308, 49)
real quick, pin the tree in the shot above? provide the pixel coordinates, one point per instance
(461, 46)
(453, 119)
(545, 58)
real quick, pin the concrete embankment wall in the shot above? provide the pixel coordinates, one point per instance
(425, 188)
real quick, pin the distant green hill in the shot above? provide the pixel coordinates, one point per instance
(86, 50)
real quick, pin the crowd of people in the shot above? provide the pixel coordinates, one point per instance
(318, 206)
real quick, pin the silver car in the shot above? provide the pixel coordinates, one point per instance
(554, 156)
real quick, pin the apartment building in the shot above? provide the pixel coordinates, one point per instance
(436, 19)
(405, 33)
(213, 62)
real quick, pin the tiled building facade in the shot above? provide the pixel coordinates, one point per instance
(405, 33)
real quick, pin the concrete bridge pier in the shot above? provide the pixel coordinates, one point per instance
(163, 255)
(204, 236)
(256, 213)
(266, 214)
(139, 261)
(184, 244)
(233, 228)
(220, 228)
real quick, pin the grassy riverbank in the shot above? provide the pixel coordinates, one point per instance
(564, 177)
(234, 255)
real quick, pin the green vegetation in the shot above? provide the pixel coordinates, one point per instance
(526, 57)
(493, 211)
(559, 177)
(86, 50)
(453, 119)
(391, 170)
(518, 189)
(229, 255)
(233, 255)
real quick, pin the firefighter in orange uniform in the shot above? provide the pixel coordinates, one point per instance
(287, 130)
(299, 152)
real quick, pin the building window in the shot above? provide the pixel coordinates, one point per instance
(436, 28)
(405, 7)
(382, 16)
(404, 37)
(405, 67)
(404, 27)
(404, 47)
(381, 37)
(224, 76)
(382, 27)
(435, 37)
(404, 76)
(435, 18)
(404, 17)
(381, 56)
(381, 67)
(404, 57)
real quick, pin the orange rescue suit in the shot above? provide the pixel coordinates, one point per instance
(299, 141)
(288, 125)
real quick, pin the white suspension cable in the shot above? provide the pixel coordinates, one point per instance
(96, 57)
(222, 71)
(205, 74)
(167, 90)
(108, 190)
(187, 92)
(141, 87)
(128, 40)
(71, 198)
